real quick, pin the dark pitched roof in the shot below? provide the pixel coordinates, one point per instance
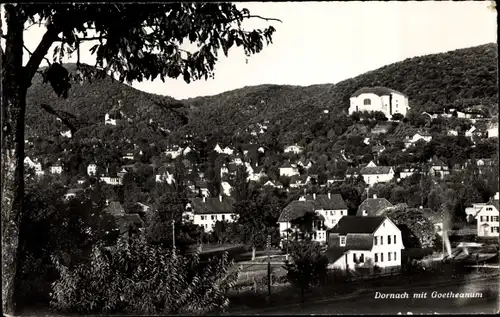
(212, 205)
(335, 202)
(353, 170)
(74, 190)
(124, 221)
(296, 209)
(356, 224)
(373, 206)
(335, 253)
(494, 202)
(354, 241)
(377, 90)
(375, 170)
(286, 165)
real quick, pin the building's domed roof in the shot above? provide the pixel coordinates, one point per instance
(378, 90)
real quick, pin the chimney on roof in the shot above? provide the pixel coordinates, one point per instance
(220, 198)
(329, 195)
(314, 196)
(374, 196)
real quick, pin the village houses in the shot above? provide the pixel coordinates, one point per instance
(206, 211)
(289, 170)
(487, 218)
(373, 174)
(327, 208)
(296, 149)
(364, 243)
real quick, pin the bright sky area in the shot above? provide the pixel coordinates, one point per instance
(327, 42)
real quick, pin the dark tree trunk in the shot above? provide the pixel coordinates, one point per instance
(14, 89)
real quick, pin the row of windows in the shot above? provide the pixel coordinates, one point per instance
(368, 102)
(391, 256)
(341, 212)
(488, 218)
(494, 229)
(380, 239)
(214, 217)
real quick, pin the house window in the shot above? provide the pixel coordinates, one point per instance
(489, 209)
(223, 217)
(367, 102)
(495, 218)
(342, 241)
(214, 217)
(494, 229)
(362, 258)
(394, 256)
(481, 218)
(375, 241)
(381, 257)
(389, 256)
(355, 258)
(388, 239)
(332, 213)
(487, 218)
(376, 257)
(381, 240)
(394, 239)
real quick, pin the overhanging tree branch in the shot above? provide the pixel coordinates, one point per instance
(42, 49)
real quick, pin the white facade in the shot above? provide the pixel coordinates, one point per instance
(386, 250)
(108, 120)
(111, 180)
(37, 166)
(493, 131)
(217, 148)
(415, 138)
(66, 134)
(289, 171)
(91, 169)
(293, 149)
(56, 169)
(487, 221)
(372, 179)
(186, 150)
(373, 102)
(173, 153)
(207, 221)
(165, 178)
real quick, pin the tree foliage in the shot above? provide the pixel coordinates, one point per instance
(146, 279)
(308, 264)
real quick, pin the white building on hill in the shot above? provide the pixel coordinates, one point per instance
(382, 99)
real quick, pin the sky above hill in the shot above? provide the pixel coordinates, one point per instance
(326, 42)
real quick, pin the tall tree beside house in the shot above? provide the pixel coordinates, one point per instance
(213, 175)
(308, 265)
(241, 189)
(153, 34)
(418, 231)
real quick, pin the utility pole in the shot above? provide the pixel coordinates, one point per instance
(173, 234)
(269, 267)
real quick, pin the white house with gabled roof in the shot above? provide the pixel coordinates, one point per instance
(487, 219)
(364, 243)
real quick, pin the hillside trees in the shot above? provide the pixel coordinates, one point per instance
(153, 33)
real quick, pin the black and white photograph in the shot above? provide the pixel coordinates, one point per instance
(249, 158)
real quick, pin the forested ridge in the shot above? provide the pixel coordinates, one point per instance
(459, 79)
